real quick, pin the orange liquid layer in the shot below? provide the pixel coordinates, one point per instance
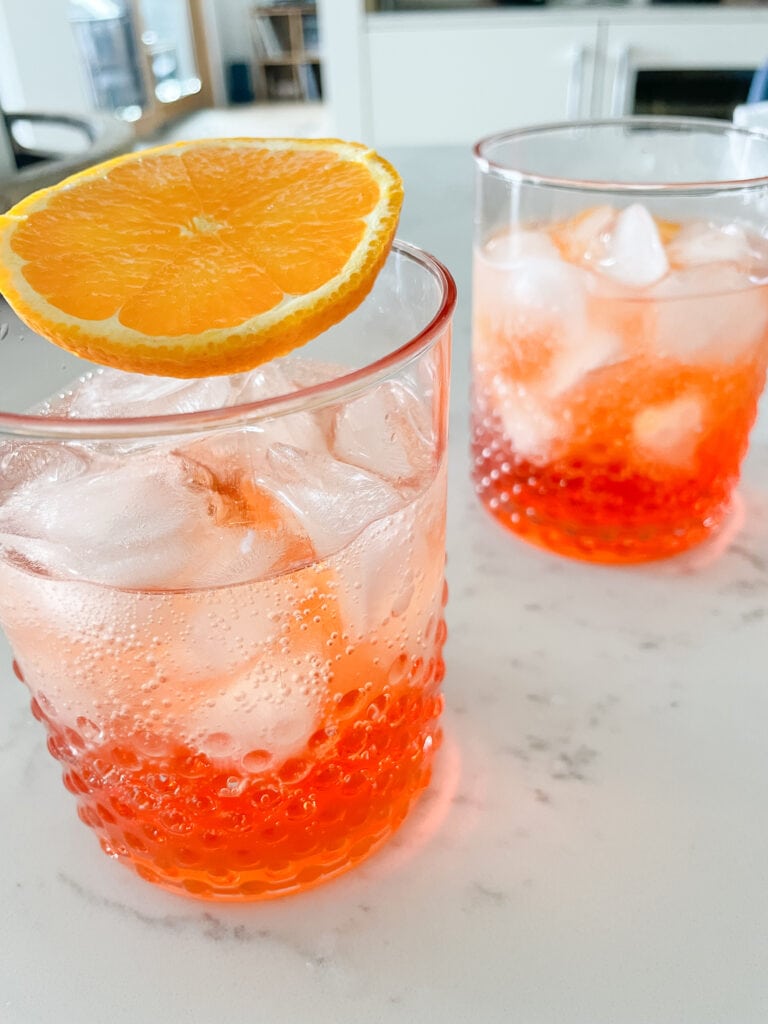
(221, 830)
(600, 498)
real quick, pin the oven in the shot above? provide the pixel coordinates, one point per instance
(688, 62)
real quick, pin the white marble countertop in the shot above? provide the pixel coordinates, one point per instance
(593, 849)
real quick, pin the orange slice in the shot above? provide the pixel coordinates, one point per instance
(201, 258)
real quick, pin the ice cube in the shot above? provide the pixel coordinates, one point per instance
(703, 242)
(112, 393)
(149, 520)
(238, 463)
(237, 459)
(633, 252)
(527, 420)
(219, 635)
(51, 462)
(270, 380)
(511, 247)
(531, 284)
(30, 472)
(377, 577)
(669, 432)
(273, 704)
(286, 376)
(390, 576)
(333, 501)
(283, 377)
(595, 349)
(240, 454)
(387, 431)
(709, 313)
(305, 430)
(582, 238)
(534, 340)
(272, 708)
(273, 380)
(525, 313)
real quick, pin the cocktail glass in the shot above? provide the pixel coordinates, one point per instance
(226, 595)
(620, 332)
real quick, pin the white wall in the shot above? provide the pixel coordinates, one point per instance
(39, 62)
(9, 92)
(215, 67)
(234, 30)
(345, 66)
(10, 85)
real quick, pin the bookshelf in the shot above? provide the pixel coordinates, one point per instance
(287, 52)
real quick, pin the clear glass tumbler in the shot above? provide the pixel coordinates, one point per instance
(620, 333)
(226, 595)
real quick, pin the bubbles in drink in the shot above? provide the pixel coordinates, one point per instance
(226, 611)
(617, 363)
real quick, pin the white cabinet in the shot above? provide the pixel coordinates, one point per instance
(450, 83)
(450, 77)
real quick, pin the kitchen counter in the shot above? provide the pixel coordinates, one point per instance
(593, 848)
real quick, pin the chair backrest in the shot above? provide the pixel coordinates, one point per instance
(26, 168)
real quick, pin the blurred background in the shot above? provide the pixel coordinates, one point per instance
(80, 79)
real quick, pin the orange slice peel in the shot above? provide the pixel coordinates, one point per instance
(201, 258)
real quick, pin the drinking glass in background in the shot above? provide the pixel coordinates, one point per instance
(226, 595)
(620, 333)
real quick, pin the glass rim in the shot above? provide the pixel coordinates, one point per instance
(73, 429)
(503, 170)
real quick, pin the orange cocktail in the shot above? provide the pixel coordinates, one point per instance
(234, 639)
(225, 591)
(618, 358)
(249, 737)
